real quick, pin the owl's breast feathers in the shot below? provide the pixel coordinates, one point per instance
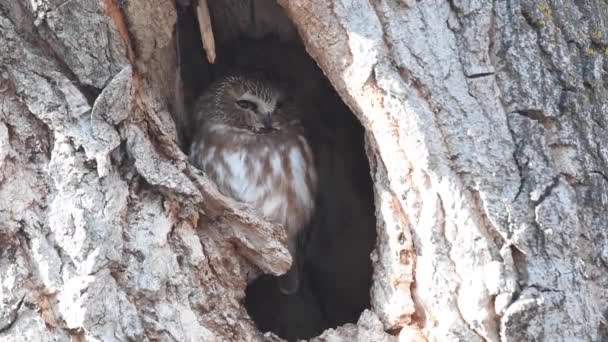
(274, 173)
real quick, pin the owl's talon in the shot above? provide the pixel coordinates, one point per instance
(289, 283)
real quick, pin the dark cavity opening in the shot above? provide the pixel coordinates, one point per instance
(337, 270)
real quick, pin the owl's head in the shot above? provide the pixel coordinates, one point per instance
(252, 104)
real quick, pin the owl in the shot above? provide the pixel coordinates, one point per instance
(249, 139)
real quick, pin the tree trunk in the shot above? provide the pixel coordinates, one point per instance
(485, 129)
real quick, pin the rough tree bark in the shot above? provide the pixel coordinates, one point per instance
(486, 130)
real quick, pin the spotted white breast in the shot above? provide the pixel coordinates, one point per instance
(274, 173)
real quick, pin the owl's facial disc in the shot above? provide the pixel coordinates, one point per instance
(258, 112)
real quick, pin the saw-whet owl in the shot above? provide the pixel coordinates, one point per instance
(249, 139)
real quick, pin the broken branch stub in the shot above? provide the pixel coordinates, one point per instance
(204, 22)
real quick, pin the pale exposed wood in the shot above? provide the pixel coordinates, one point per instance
(204, 21)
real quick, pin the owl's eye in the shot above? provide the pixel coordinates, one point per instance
(279, 105)
(246, 104)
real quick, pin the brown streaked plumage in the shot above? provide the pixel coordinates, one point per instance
(248, 138)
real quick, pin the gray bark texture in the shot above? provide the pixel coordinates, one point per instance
(486, 130)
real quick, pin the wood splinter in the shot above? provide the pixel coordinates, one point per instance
(204, 23)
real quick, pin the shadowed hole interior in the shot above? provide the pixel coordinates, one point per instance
(337, 271)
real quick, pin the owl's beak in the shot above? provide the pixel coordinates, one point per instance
(267, 121)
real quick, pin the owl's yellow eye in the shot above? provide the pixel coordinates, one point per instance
(247, 105)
